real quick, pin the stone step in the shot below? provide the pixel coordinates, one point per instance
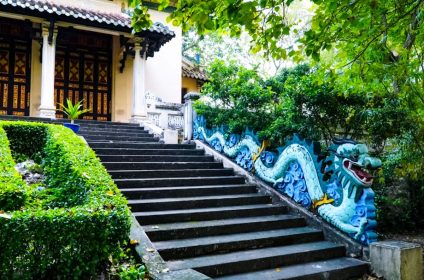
(159, 204)
(107, 123)
(188, 248)
(204, 214)
(110, 126)
(172, 173)
(113, 136)
(185, 230)
(114, 132)
(187, 191)
(171, 182)
(118, 130)
(122, 139)
(201, 215)
(161, 165)
(155, 158)
(260, 259)
(120, 151)
(332, 269)
(100, 144)
(155, 141)
(106, 129)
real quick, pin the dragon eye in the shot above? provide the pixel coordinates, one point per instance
(354, 157)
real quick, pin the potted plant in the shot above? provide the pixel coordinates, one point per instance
(73, 112)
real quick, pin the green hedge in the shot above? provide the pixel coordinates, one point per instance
(12, 187)
(69, 229)
(26, 140)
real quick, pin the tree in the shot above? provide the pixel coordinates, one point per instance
(373, 46)
(207, 48)
(372, 49)
(218, 44)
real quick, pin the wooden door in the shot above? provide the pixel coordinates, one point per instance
(15, 72)
(84, 73)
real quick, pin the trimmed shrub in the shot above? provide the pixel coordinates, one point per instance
(26, 141)
(71, 228)
(12, 187)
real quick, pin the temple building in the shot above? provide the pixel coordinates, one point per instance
(193, 77)
(86, 50)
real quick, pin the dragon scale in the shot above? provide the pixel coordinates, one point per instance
(293, 152)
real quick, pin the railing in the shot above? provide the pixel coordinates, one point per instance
(334, 183)
(164, 114)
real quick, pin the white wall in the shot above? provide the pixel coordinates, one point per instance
(163, 71)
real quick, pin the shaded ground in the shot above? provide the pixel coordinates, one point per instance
(415, 237)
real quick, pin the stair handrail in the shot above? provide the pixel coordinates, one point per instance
(334, 183)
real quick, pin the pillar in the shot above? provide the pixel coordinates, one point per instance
(47, 106)
(139, 113)
(397, 260)
(189, 99)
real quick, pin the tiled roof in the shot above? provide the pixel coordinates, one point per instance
(118, 20)
(192, 71)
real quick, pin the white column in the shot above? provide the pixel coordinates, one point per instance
(139, 113)
(47, 106)
(189, 98)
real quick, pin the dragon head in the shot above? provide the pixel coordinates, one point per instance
(352, 165)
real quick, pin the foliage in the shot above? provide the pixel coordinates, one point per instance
(204, 49)
(86, 178)
(132, 272)
(140, 16)
(372, 48)
(69, 229)
(265, 21)
(26, 141)
(238, 96)
(12, 187)
(73, 111)
(377, 48)
(400, 195)
(314, 109)
(300, 100)
(294, 101)
(126, 267)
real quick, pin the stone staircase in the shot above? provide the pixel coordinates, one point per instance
(201, 215)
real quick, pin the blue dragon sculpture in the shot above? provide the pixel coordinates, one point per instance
(336, 184)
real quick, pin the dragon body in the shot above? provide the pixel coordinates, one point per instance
(336, 184)
(300, 154)
(240, 147)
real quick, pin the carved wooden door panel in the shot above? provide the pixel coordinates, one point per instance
(14, 77)
(83, 72)
(84, 76)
